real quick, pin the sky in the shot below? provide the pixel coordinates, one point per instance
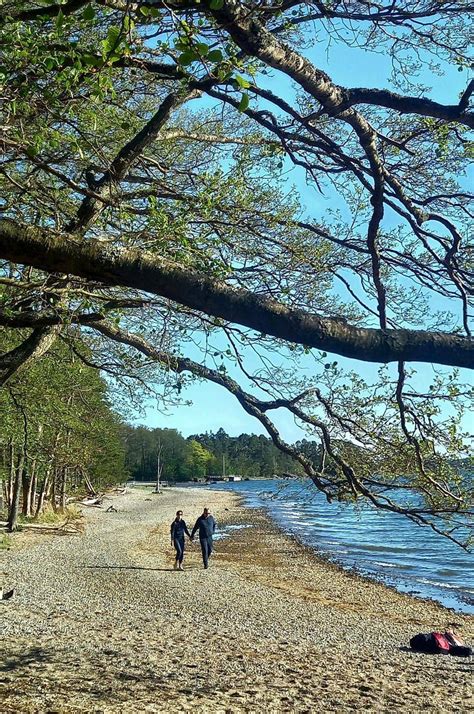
(212, 406)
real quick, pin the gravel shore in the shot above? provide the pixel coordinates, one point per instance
(101, 622)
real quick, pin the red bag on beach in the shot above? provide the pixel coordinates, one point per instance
(439, 643)
(442, 643)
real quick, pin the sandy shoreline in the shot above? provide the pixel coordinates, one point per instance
(102, 623)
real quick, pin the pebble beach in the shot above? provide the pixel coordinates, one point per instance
(101, 622)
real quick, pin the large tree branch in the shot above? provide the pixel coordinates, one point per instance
(411, 105)
(332, 487)
(125, 159)
(39, 342)
(46, 319)
(43, 249)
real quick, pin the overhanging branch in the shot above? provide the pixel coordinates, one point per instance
(54, 252)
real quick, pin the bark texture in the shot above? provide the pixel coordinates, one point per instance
(60, 253)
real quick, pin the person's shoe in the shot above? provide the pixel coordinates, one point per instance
(180, 567)
(206, 567)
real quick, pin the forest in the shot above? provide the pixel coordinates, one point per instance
(59, 435)
(202, 455)
(203, 191)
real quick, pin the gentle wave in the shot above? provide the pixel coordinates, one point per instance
(385, 565)
(414, 559)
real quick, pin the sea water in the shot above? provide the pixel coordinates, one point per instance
(385, 546)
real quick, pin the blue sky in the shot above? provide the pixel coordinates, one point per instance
(212, 407)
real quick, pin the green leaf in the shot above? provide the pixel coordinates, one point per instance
(187, 57)
(215, 56)
(244, 102)
(242, 82)
(182, 44)
(113, 35)
(216, 4)
(89, 13)
(91, 60)
(128, 24)
(202, 49)
(112, 42)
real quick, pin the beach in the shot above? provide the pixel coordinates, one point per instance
(101, 622)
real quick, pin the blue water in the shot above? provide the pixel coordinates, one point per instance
(381, 545)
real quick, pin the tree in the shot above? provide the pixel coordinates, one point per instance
(146, 203)
(199, 459)
(142, 446)
(58, 434)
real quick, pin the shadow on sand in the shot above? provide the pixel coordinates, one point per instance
(134, 567)
(35, 655)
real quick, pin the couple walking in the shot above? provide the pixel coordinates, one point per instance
(206, 526)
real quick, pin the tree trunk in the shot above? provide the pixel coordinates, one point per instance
(31, 497)
(26, 487)
(53, 491)
(32, 489)
(62, 490)
(43, 494)
(11, 477)
(46, 250)
(13, 510)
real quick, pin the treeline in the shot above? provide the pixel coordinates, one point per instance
(201, 455)
(58, 434)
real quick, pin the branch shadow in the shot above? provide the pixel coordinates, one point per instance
(133, 567)
(35, 655)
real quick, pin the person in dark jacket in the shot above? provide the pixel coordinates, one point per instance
(206, 526)
(178, 529)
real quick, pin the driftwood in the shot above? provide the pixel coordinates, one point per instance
(88, 484)
(97, 501)
(68, 527)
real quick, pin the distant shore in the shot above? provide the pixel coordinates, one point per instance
(101, 622)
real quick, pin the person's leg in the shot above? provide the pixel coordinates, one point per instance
(204, 551)
(179, 547)
(181, 554)
(209, 546)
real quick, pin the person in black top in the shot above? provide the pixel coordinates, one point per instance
(207, 527)
(178, 529)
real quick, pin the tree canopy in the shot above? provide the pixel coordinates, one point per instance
(58, 434)
(188, 186)
(202, 455)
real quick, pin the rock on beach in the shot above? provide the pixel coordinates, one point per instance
(101, 622)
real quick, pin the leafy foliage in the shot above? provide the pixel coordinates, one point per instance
(56, 420)
(158, 139)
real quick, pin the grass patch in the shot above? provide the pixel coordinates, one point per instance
(50, 517)
(5, 542)
(70, 513)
